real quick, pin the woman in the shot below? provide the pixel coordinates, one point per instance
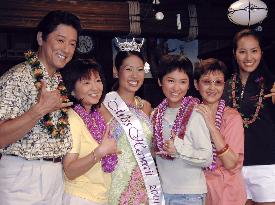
(87, 180)
(225, 183)
(181, 138)
(127, 114)
(251, 91)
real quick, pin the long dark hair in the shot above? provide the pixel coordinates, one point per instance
(261, 70)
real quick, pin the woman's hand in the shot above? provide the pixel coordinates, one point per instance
(108, 145)
(208, 115)
(169, 147)
(271, 94)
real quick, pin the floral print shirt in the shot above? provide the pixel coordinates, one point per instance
(17, 95)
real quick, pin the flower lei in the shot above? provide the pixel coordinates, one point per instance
(180, 123)
(96, 126)
(54, 129)
(218, 123)
(259, 104)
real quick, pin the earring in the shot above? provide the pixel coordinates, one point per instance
(72, 93)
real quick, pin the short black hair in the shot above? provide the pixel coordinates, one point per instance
(170, 63)
(54, 18)
(78, 69)
(208, 66)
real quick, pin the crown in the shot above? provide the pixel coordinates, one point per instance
(130, 45)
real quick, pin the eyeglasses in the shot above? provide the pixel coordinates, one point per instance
(132, 69)
(217, 83)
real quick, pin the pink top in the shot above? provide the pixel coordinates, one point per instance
(226, 187)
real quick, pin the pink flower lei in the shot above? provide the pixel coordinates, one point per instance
(96, 125)
(218, 123)
(179, 126)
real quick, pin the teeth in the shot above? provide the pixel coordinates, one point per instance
(174, 94)
(133, 82)
(61, 56)
(248, 64)
(93, 95)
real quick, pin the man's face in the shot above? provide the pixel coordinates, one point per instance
(58, 49)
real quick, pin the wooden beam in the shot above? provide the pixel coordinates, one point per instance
(94, 15)
(101, 16)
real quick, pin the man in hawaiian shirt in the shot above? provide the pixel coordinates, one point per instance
(34, 133)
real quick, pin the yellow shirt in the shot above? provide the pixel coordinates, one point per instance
(94, 184)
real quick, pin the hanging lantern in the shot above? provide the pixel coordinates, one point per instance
(247, 12)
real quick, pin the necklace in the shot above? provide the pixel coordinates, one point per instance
(96, 126)
(138, 104)
(218, 123)
(54, 129)
(248, 120)
(179, 126)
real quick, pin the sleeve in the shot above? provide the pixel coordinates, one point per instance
(234, 132)
(11, 95)
(195, 148)
(76, 133)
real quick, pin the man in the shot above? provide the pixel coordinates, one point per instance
(34, 132)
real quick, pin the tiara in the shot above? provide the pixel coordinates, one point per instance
(130, 45)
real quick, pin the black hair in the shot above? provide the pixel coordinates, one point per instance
(81, 69)
(208, 66)
(262, 69)
(170, 63)
(245, 33)
(54, 18)
(120, 57)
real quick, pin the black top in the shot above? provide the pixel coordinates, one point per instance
(259, 145)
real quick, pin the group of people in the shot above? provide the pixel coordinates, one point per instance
(64, 140)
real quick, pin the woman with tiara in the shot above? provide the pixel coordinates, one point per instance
(135, 179)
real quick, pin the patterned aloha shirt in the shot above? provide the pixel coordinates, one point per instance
(17, 95)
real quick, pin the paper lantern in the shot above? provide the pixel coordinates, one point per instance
(247, 12)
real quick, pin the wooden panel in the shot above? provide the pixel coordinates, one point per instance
(94, 15)
(102, 16)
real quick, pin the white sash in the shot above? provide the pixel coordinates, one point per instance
(136, 137)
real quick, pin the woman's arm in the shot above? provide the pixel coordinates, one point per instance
(195, 149)
(229, 158)
(75, 167)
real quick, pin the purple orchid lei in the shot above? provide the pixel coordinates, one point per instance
(179, 125)
(218, 123)
(96, 126)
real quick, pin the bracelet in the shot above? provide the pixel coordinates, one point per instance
(93, 156)
(226, 147)
(220, 155)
